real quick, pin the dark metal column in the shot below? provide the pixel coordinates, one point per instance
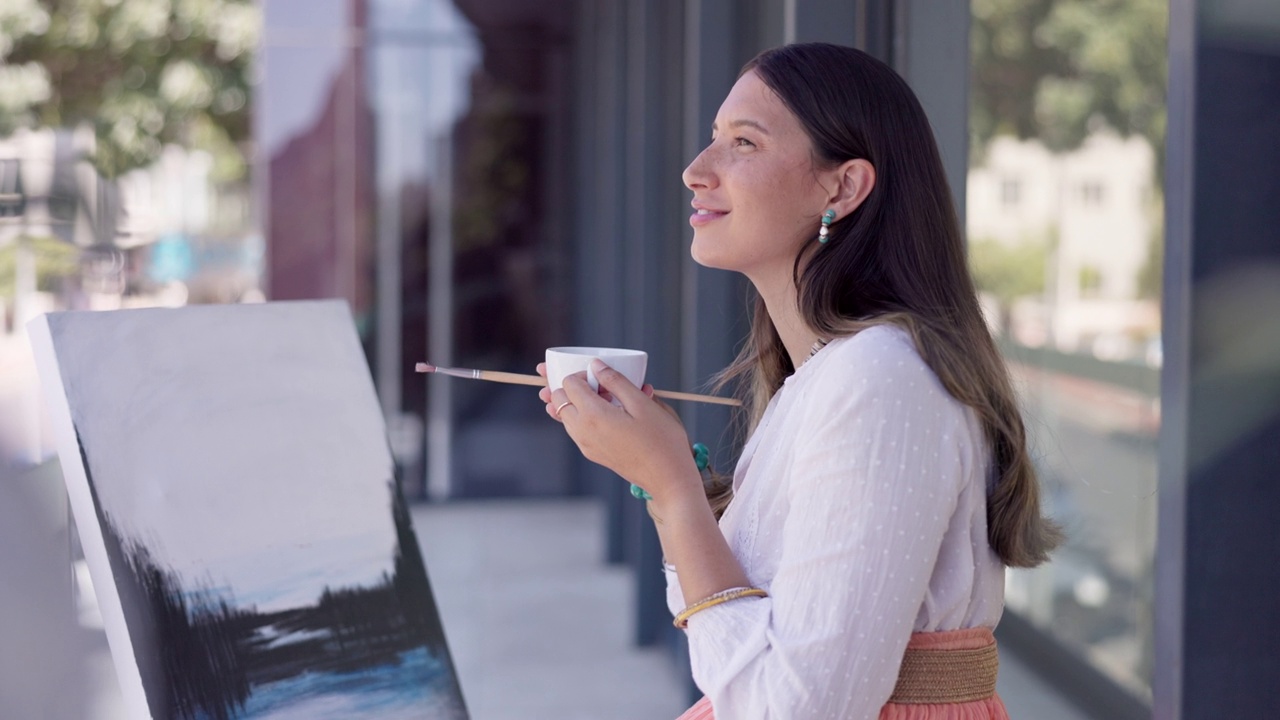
(652, 267)
(714, 319)
(832, 21)
(931, 50)
(1217, 575)
(585, 167)
(600, 243)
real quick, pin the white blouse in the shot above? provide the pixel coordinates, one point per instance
(860, 506)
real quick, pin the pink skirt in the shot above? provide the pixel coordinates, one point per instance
(990, 708)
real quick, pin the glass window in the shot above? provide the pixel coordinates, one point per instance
(125, 150)
(1091, 193)
(471, 108)
(1010, 192)
(125, 156)
(1071, 94)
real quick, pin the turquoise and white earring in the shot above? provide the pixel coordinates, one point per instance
(825, 230)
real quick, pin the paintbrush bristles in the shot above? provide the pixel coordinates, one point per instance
(455, 372)
(491, 375)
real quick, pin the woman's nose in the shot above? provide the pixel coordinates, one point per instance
(699, 173)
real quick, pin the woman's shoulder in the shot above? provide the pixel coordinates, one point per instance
(880, 349)
(881, 361)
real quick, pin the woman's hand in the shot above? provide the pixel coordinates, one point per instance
(643, 441)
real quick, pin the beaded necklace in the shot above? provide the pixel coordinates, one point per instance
(818, 345)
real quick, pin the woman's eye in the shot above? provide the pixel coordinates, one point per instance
(743, 142)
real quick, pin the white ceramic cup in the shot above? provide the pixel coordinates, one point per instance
(565, 361)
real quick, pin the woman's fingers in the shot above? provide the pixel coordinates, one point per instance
(576, 389)
(545, 393)
(558, 403)
(616, 383)
(636, 440)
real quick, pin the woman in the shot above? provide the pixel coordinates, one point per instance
(855, 565)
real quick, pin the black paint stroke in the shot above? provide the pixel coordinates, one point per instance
(200, 656)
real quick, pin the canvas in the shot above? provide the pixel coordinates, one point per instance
(230, 478)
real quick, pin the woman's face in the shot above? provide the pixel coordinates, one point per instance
(756, 197)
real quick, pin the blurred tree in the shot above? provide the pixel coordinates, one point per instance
(1057, 69)
(53, 259)
(1090, 279)
(1008, 271)
(142, 72)
(1151, 274)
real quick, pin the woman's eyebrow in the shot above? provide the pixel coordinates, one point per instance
(742, 123)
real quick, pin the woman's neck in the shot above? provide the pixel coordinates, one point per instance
(781, 302)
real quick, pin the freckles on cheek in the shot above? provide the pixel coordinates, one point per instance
(779, 197)
(783, 181)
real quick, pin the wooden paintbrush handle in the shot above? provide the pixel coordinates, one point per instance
(694, 397)
(512, 378)
(537, 381)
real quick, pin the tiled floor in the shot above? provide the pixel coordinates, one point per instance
(539, 626)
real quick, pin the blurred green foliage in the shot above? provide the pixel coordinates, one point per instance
(1151, 275)
(1090, 280)
(142, 73)
(1056, 70)
(1009, 270)
(495, 176)
(53, 259)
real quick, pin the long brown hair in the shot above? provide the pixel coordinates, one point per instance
(898, 258)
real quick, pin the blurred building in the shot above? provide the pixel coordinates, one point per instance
(505, 178)
(1093, 211)
(483, 179)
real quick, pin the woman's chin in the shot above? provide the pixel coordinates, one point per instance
(707, 257)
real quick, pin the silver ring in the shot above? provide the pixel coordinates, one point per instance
(561, 407)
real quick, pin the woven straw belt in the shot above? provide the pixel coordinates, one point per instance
(930, 676)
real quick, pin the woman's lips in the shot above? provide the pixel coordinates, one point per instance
(705, 217)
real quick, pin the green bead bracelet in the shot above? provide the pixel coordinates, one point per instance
(701, 458)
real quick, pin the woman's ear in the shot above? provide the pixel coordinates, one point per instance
(853, 181)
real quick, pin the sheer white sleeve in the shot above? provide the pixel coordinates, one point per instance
(872, 476)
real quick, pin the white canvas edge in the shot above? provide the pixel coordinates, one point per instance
(75, 477)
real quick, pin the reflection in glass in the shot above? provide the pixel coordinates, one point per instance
(124, 171)
(1064, 221)
(125, 149)
(472, 106)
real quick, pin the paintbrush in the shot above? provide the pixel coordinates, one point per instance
(538, 381)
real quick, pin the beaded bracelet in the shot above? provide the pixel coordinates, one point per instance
(701, 458)
(682, 619)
